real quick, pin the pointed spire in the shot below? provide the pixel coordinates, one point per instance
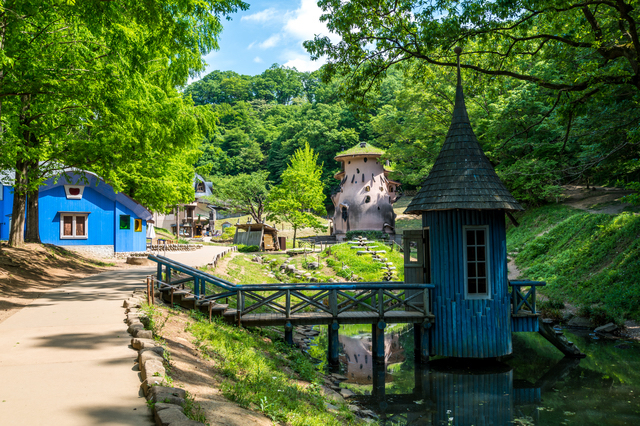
(462, 176)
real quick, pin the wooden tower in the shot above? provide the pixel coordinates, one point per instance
(462, 247)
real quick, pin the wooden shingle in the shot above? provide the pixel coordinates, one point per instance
(462, 176)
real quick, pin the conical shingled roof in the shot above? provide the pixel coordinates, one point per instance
(462, 176)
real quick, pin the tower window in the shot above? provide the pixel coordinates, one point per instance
(365, 159)
(367, 188)
(357, 170)
(476, 261)
(367, 199)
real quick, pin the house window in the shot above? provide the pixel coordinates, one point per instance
(125, 221)
(476, 260)
(137, 225)
(73, 226)
(74, 192)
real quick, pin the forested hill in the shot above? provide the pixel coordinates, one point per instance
(536, 139)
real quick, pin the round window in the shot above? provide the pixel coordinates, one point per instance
(368, 199)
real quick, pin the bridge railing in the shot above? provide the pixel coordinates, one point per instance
(520, 299)
(290, 299)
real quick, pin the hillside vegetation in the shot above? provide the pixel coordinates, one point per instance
(590, 260)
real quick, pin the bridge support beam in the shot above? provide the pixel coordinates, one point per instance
(421, 342)
(288, 333)
(377, 342)
(334, 345)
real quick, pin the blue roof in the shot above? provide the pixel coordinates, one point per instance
(74, 177)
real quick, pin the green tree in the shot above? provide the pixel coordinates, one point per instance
(300, 194)
(243, 193)
(70, 72)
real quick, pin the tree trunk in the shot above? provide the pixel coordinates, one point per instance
(33, 225)
(295, 230)
(16, 233)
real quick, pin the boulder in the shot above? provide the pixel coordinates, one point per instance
(166, 394)
(143, 334)
(170, 416)
(579, 322)
(131, 303)
(156, 352)
(313, 265)
(346, 393)
(142, 343)
(607, 328)
(153, 368)
(135, 326)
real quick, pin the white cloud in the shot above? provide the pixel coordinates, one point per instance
(270, 42)
(304, 64)
(258, 60)
(304, 23)
(262, 16)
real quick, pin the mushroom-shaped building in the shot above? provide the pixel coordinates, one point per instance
(365, 197)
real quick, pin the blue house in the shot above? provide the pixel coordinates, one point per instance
(83, 211)
(462, 248)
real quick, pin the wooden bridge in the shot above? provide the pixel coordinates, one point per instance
(331, 304)
(288, 305)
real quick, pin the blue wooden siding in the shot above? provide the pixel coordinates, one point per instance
(482, 399)
(468, 328)
(99, 222)
(127, 240)
(524, 324)
(6, 207)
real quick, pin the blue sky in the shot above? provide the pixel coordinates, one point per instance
(271, 31)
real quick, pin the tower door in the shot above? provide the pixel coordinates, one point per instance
(417, 265)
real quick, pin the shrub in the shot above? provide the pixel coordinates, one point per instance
(247, 249)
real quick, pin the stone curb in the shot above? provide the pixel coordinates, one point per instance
(168, 402)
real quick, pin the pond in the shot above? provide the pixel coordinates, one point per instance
(536, 386)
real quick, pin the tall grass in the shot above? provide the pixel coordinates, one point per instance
(592, 260)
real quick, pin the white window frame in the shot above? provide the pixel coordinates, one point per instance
(73, 226)
(487, 261)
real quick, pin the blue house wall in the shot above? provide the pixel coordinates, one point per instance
(99, 221)
(6, 207)
(468, 328)
(102, 205)
(127, 240)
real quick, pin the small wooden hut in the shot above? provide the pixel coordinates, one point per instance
(257, 234)
(461, 248)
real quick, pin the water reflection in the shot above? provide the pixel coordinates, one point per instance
(537, 386)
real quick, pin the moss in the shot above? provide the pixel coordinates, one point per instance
(358, 150)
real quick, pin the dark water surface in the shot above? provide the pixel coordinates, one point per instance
(537, 386)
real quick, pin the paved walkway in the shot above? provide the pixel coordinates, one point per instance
(65, 358)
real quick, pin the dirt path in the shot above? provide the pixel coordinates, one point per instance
(199, 377)
(596, 199)
(27, 272)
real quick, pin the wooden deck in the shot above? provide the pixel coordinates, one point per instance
(320, 318)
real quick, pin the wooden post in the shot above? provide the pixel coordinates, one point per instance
(148, 291)
(288, 333)
(377, 343)
(421, 342)
(378, 378)
(334, 345)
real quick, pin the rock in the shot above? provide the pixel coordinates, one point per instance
(141, 261)
(369, 413)
(338, 377)
(331, 280)
(330, 407)
(150, 353)
(313, 265)
(579, 322)
(169, 416)
(133, 320)
(567, 316)
(133, 327)
(153, 368)
(307, 275)
(142, 343)
(143, 334)
(166, 394)
(131, 303)
(392, 268)
(162, 406)
(607, 328)
(313, 279)
(353, 408)
(346, 393)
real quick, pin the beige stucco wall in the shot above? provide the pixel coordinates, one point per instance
(364, 179)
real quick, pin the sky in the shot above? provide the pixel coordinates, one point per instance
(270, 31)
